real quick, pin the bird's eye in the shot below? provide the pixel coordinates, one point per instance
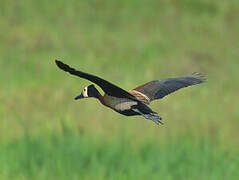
(85, 89)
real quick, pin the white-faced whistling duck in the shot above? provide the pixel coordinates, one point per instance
(135, 101)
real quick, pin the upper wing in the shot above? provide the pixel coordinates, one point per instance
(157, 89)
(106, 86)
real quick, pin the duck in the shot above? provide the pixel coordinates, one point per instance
(133, 102)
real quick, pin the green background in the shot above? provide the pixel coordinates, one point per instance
(45, 134)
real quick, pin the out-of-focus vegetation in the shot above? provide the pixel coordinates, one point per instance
(45, 134)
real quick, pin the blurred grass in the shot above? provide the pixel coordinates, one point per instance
(128, 43)
(73, 157)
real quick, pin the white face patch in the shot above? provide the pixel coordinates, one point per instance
(85, 92)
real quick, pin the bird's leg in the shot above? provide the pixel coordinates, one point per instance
(154, 117)
(157, 121)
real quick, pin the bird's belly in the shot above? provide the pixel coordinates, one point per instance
(119, 104)
(128, 112)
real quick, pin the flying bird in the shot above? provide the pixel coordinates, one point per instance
(135, 101)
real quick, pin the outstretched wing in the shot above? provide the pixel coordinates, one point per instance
(157, 89)
(106, 86)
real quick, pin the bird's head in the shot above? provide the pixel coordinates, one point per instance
(89, 91)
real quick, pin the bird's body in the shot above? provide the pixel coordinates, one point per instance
(136, 100)
(127, 107)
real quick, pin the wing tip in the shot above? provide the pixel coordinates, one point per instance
(61, 65)
(200, 77)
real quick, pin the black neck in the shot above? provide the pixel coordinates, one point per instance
(97, 94)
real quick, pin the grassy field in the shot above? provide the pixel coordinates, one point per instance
(45, 134)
